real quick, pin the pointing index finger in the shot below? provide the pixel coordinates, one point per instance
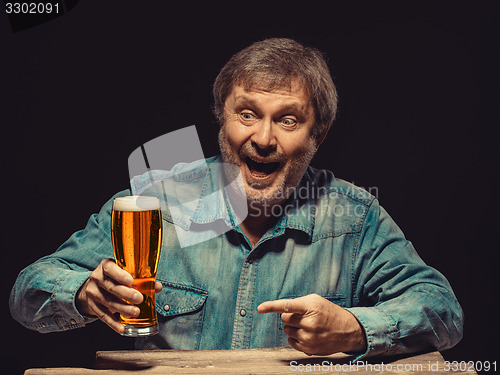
(281, 306)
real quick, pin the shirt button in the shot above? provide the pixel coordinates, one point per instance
(243, 312)
(166, 307)
(250, 260)
(73, 321)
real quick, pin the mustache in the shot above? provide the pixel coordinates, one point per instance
(250, 151)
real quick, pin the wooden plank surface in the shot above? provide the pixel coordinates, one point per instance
(248, 361)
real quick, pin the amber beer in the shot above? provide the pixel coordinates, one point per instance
(136, 229)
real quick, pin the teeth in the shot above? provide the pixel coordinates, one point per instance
(262, 161)
(261, 169)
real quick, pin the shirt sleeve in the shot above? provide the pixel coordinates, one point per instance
(43, 296)
(404, 305)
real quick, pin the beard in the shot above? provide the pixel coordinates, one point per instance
(288, 176)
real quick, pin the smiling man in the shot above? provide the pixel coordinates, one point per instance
(317, 263)
(269, 136)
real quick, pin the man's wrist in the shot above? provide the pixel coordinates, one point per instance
(81, 301)
(359, 339)
(358, 342)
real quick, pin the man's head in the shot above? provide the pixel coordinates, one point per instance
(273, 64)
(275, 101)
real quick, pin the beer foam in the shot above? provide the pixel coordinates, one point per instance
(136, 203)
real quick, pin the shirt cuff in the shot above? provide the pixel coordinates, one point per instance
(380, 330)
(64, 294)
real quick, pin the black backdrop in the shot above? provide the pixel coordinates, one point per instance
(417, 121)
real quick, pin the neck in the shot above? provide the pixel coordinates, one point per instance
(259, 220)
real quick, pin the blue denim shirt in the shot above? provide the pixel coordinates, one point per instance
(332, 239)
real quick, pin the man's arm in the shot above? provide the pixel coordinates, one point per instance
(45, 293)
(401, 304)
(404, 305)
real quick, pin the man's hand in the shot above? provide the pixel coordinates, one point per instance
(315, 325)
(106, 291)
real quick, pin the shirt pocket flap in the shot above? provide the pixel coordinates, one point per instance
(176, 299)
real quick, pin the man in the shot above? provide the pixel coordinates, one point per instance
(316, 264)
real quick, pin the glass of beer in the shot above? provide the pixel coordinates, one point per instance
(136, 229)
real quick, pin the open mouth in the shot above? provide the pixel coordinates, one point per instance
(261, 169)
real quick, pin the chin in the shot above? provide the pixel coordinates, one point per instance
(267, 196)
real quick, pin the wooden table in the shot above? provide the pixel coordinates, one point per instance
(250, 361)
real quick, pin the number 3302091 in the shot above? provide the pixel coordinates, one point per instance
(470, 366)
(31, 8)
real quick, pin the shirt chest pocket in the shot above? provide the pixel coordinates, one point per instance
(180, 311)
(282, 338)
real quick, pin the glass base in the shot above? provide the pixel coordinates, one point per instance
(131, 331)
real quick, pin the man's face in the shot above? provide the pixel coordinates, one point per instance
(267, 134)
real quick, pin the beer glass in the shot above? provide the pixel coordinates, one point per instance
(136, 229)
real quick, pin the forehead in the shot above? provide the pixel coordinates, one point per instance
(295, 96)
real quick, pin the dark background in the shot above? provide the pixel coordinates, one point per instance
(418, 118)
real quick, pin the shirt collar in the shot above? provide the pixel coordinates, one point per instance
(214, 200)
(298, 212)
(220, 201)
(300, 208)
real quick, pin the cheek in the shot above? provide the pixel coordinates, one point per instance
(233, 143)
(296, 150)
(236, 135)
(229, 143)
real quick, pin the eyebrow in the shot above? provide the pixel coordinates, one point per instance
(243, 100)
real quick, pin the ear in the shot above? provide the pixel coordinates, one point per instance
(219, 116)
(322, 136)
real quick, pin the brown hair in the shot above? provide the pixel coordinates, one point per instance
(273, 64)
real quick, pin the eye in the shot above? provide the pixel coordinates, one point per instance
(288, 122)
(247, 116)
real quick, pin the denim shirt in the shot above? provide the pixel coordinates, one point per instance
(332, 239)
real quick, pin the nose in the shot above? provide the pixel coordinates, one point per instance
(263, 137)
